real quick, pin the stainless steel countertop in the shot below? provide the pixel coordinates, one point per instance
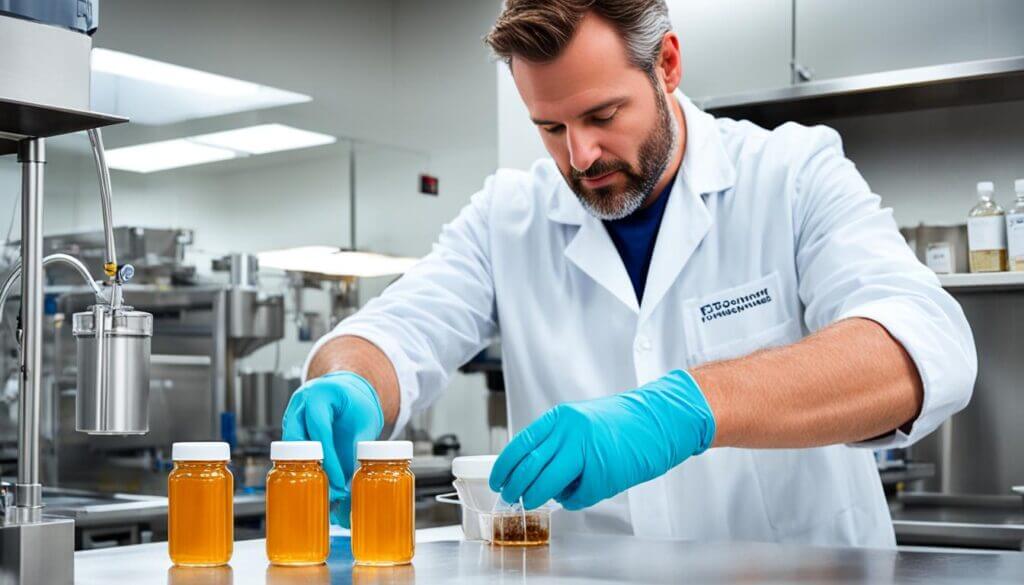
(577, 559)
(959, 520)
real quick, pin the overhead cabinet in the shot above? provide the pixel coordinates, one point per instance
(840, 38)
(863, 57)
(733, 46)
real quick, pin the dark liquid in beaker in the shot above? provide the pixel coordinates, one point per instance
(509, 529)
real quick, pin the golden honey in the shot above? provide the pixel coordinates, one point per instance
(383, 507)
(298, 526)
(530, 528)
(200, 525)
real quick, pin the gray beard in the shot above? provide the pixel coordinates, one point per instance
(655, 155)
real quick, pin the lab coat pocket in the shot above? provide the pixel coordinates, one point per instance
(739, 320)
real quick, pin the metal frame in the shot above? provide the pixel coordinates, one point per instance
(28, 494)
(22, 120)
(35, 548)
(966, 83)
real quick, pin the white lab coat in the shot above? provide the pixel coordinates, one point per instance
(767, 236)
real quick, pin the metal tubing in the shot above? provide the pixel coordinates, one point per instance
(5, 288)
(352, 196)
(219, 353)
(103, 173)
(28, 494)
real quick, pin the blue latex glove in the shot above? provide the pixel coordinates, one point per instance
(339, 410)
(580, 453)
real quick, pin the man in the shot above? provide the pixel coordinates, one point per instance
(705, 325)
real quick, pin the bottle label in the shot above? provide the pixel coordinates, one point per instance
(939, 257)
(986, 233)
(1015, 240)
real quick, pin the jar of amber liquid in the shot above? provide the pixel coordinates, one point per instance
(383, 507)
(298, 527)
(200, 505)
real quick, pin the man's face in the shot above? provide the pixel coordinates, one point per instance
(606, 123)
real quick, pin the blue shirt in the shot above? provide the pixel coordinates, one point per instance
(634, 237)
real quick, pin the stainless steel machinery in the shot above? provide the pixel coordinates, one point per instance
(200, 332)
(40, 98)
(158, 255)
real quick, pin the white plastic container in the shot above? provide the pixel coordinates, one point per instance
(474, 496)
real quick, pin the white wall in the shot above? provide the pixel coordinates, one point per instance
(519, 143)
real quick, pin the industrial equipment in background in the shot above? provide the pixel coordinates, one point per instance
(204, 325)
(334, 269)
(339, 273)
(202, 328)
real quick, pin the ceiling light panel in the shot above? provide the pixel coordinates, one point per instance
(331, 261)
(264, 138)
(154, 92)
(167, 154)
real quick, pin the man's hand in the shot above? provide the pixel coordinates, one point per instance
(338, 410)
(580, 453)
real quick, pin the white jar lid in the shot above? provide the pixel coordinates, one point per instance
(296, 451)
(201, 451)
(383, 450)
(473, 466)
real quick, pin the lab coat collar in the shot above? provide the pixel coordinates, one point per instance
(706, 168)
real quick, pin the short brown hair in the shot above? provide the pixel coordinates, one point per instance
(539, 30)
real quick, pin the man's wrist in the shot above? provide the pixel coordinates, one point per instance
(350, 353)
(718, 399)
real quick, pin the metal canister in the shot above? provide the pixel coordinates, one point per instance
(113, 376)
(257, 393)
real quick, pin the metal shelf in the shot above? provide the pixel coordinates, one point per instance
(19, 120)
(954, 84)
(913, 471)
(982, 281)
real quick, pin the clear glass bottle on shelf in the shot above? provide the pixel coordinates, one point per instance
(1015, 230)
(986, 232)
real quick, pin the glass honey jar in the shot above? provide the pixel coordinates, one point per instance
(200, 505)
(298, 526)
(383, 507)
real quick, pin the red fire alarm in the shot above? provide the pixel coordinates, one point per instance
(428, 185)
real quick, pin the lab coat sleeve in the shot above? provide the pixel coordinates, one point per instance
(438, 315)
(853, 262)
